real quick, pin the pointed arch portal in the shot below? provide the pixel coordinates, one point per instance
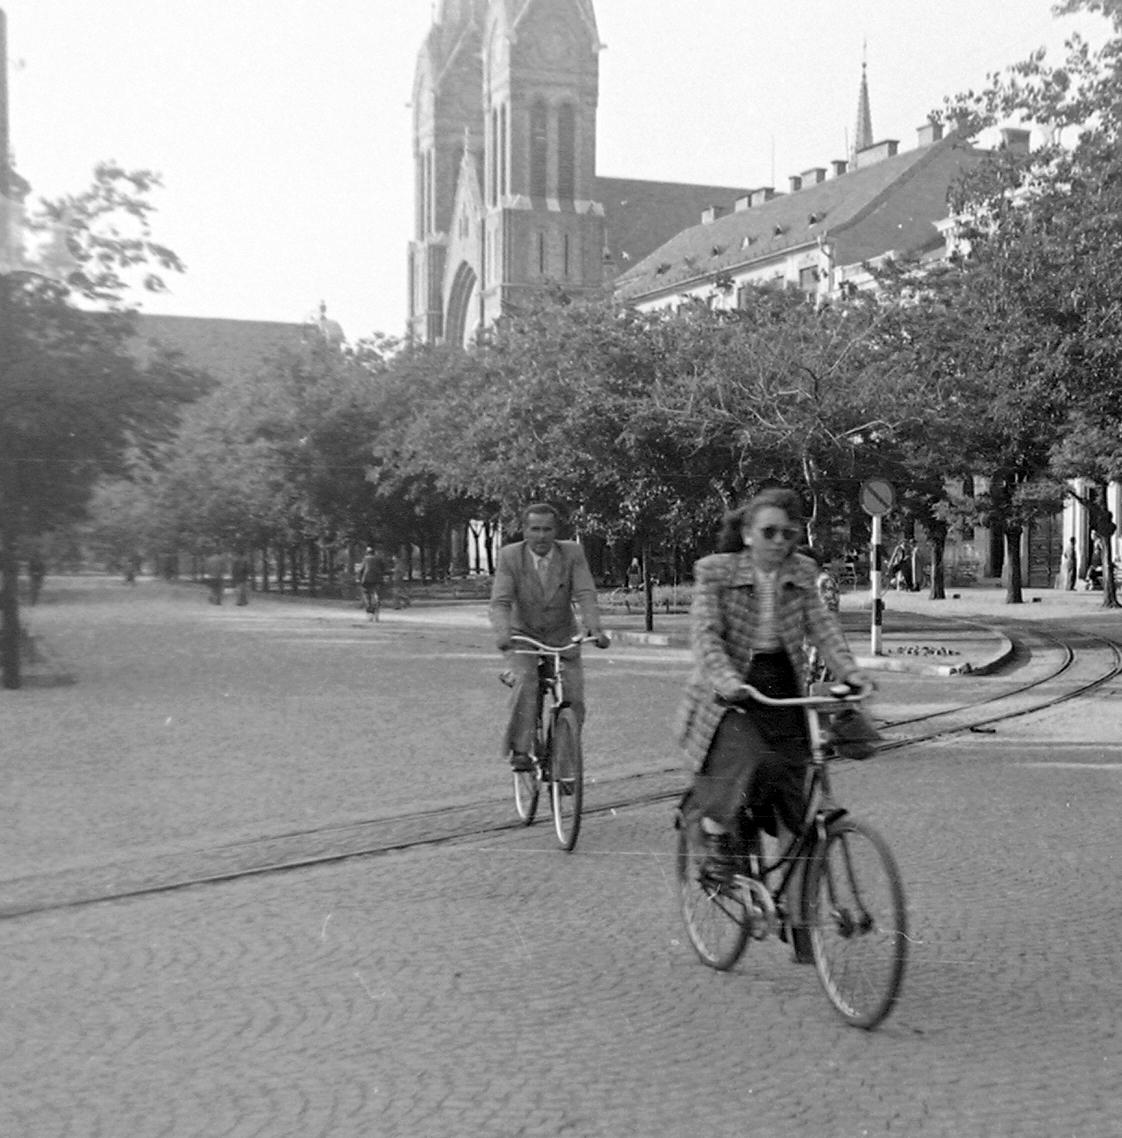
(460, 324)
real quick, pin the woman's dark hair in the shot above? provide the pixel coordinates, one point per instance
(731, 539)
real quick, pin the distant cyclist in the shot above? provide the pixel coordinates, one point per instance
(371, 576)
(537, 582)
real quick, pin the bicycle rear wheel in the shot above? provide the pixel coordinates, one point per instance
(713, 909)
(527, 787)
(854, 906)
(566, 783)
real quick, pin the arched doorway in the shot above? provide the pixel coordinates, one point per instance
(461, 324)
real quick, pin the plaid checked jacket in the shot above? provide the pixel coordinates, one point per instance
(725, 608)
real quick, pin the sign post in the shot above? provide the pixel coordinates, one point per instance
(877, 498)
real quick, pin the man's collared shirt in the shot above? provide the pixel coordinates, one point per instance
(542, 563)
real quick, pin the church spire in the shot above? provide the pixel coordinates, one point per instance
(863, 134)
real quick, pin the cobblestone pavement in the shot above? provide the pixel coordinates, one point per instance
(498, 987)
(503, 988)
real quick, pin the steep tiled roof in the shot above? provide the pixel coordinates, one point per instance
(222, 348)
(888, 205)
(640, 216)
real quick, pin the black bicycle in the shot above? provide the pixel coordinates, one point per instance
(558, 763)
(852, 900)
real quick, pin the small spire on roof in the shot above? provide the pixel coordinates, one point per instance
(863, 135)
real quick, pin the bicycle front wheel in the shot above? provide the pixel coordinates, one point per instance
(566, 783)
(713, 907)
(854, 905)
(526, 789)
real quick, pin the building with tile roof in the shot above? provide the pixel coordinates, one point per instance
(224, 349)
(817, 236)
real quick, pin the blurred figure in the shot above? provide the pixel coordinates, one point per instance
(36, 571)
(213, 578)
(239, 577)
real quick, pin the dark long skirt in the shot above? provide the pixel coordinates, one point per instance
(758, 756)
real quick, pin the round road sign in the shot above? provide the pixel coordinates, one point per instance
(877, 496)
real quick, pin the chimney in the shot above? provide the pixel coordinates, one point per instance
(928, 133)
(878, 152)
(1015, 140)
(709, 215)
(840, 166)
(765, 194)
(744, 203)
(796, 183)
(814, 175)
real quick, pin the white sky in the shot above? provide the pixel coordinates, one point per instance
(282, 131)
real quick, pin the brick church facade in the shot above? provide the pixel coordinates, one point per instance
(507, 195)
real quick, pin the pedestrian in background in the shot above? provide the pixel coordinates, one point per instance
(213, 578)
(239, 577)
(1068, 566)
(36, 571)
(371, 574)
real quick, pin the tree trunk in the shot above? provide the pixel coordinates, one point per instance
(648, 590)
(313, 566)
(265, 567)
(1013, 593)
(9, 580)
(487, 533)
(1106, 529)
(938, 538)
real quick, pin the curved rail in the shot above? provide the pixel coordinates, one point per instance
(65, 889)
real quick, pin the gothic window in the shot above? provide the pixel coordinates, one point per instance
(541, 254)
(430, 203)
(504, 149)
(495, 159)
(566, 256)
(566, 152)
(539, 149)
(420, 212)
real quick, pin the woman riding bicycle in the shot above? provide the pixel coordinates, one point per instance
(755, 603)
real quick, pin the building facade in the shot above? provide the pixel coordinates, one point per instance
(508, 199)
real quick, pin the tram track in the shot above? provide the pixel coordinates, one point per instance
(1083, 663)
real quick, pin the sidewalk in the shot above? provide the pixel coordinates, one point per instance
(956, 636)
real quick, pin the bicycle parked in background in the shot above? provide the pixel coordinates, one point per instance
(852, 901)
(558, 764)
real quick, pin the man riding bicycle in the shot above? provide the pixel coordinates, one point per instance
(371, 574)
(537, 582)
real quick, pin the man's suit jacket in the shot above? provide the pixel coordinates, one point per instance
(519, 602)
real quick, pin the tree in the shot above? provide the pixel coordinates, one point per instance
(73, 400)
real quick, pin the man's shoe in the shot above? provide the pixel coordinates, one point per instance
(520, 762)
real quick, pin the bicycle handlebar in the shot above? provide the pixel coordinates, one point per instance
(538, 647)
(839, 694)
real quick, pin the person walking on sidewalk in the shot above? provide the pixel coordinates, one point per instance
(754, 607)
(239, 577)
(214, 577)
(537, 582)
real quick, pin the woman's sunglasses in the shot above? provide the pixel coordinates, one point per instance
(787, 533)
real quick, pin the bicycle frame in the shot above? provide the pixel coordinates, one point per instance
(820, 809)
(552, 684)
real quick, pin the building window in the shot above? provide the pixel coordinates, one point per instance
(494, 196)
(565, 254)
(430, 212)
(503, 150)
(539, 149)
(420, 222)
(808, 281)
(566, 152)
(541, 254)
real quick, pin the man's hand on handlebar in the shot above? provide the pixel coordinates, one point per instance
(602, 639)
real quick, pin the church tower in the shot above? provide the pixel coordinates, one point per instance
(540, 92)
(447, 121)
